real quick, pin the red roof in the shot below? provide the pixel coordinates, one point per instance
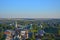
(6, 32)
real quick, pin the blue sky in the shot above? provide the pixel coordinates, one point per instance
(29, 8)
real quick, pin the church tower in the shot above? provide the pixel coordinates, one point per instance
(15, 24)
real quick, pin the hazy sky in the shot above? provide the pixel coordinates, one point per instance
(29, 8)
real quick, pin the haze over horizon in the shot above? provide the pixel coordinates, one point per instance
(29, 8)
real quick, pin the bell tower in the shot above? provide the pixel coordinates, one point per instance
(15, 24)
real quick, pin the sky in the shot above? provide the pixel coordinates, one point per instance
(29, 8)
